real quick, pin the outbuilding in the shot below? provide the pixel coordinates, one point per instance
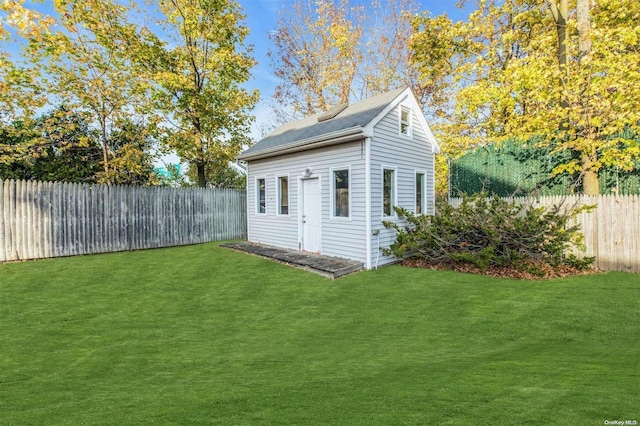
(326, 183)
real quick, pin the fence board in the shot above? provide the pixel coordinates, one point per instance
(45, 219)
(611, 230)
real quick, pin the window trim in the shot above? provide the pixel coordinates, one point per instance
(409, 133)
(394, 191)
(278, 195)
(423, 205)
(332, 200)
(257, 195)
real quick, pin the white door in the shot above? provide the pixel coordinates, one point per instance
(311, 215)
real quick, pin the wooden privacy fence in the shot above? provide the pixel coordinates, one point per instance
(45, 219)
(611, 230)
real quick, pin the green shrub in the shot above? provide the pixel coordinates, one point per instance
(489, 231)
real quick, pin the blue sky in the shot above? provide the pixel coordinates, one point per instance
(261, 18)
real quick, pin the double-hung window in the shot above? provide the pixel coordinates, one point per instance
(283, 195)
(388, 192)
(405, 120)
(340, 193)
(261, 196)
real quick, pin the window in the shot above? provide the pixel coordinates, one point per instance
(420, 191)
(341, 193)
(405, 120)
(388, 192)
(283, 195)
(261, 196)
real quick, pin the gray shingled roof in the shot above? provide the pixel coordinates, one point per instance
(356, 115)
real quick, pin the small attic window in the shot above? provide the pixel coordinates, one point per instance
(405, 120)
(332, 112)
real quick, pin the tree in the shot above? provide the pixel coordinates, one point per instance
(90, 72)
(69, 149)
(196, 79)
(328, 52)
(81, 63)
(21, 95)
(316, 56)
(132, 161)
(529, 68)
(220, 175)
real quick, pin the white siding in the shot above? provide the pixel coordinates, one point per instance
(340, 237)
(406, 155)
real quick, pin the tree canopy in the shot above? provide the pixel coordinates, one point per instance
(169, 73)
(172, 75)
(564, 72)
(195, 76)
(328, 52)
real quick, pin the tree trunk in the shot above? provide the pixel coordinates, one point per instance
(589, 169)
(105, 150)
(202, 178)
(584, 29)
(560, 11)
(590, 184)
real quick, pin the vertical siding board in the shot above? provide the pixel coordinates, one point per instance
(633, 223)
(29, 228)
(12, 253)
(19, 220)
(4, 235)
(633, 213)
(159, 217)
(101, 229)
(70, 223)
(67, 219)
(3, 253)
(29, 221)
(108, 218)
(74, 194)
(95, 219)
(38, 221)
(10, 224)
(53, 188)
(51, 219)
(84, 236)
(58, 231)
(74, 200)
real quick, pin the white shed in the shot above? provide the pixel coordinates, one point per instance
(325, 183)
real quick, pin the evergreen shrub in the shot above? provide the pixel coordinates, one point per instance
(490, 231)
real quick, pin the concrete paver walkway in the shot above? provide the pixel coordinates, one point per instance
(327, 266)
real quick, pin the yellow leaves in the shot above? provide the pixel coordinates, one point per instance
(27, 22)
(507, 80)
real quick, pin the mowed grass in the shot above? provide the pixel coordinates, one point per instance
(204, 335)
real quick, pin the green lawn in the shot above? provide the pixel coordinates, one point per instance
(200, 334)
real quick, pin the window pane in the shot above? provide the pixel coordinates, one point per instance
(404, 120)
(284, 195)
(262, 196)
(419, 192)
(388, 192)
(341, 193)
